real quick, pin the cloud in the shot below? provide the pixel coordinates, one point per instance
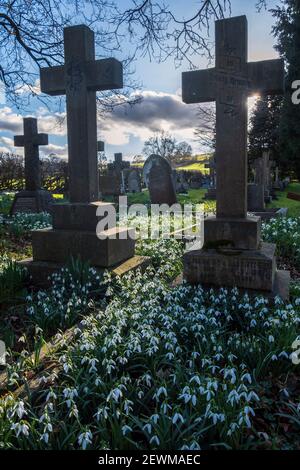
(155, 112)
(58, 150)
(50, 123)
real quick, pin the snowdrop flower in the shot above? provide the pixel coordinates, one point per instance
(85, 439)
(177, 417)
(20, 428)
(154, 418)
(155, 440)
(148, 428)
(126, 429)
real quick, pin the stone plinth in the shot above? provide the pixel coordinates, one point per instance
(58, 246)
(242, 234)
(78, 216)
(32, 202)
(253, 269)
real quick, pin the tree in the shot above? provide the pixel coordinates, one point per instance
(205, 133)
(265, 127)
(287, 32)
(161, 143)
(137, 159)
(31, 37)
(183, 151)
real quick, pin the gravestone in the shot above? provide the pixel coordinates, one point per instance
(33, 198)
(211, 194)
(134, 181)
(158, 177)
(110, 183)
(196, 181)
(100, 146)
(256, 198)
(181, 184)
(233, 254)
(277, 184)
(74, 224)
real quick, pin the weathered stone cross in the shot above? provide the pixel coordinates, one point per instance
(79, 79)
(31, 141)
(229, 84)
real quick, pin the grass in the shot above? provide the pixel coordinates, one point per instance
(283, 201)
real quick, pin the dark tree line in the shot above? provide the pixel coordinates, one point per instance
(276, 121)
(54, 173)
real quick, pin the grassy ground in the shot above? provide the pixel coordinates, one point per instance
(283, 201)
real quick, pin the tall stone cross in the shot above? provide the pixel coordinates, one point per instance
(79, 79)
(229, 84)
(31, 141)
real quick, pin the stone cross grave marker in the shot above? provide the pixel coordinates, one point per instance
(229, 84)
(233, 254)
(79, 79)
(33, 198)
(74, 224)
(31, 140)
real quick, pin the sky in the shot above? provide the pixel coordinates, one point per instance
(161, 108)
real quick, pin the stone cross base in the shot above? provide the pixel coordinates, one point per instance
(39, 272)
(78, 216)
(241, 234)
(250, 269)
(59, 246)
(32, 202)
(74, 235)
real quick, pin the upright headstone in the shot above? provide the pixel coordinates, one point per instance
(181, 184)
(100, 146)
(211, 194)
(33, 198)
(134, 181)
(233, 254)
(74, 224)
(256, 198)
(196, 180)
(159, 180)
(118, 159)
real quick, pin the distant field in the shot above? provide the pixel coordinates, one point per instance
(194, 167)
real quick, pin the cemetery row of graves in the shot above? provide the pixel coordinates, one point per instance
(121, 344)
